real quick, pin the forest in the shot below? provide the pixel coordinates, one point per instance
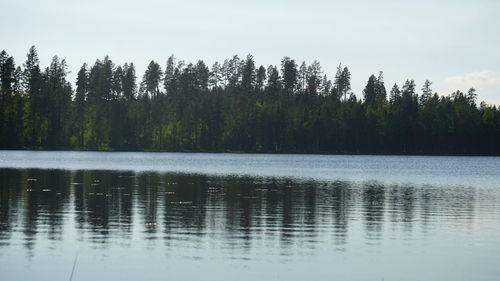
(234, 106)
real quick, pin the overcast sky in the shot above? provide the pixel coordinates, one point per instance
(455, 44)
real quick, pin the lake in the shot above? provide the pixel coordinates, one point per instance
(181, 216)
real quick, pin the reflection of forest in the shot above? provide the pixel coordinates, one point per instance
(237, 212)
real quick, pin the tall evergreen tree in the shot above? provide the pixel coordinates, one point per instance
(151, 80)
(7, 69)
(58, 91)
(289, 72)
(260, 77)
(202, 76)
(343, 81)
(248, 74)
(273, 80)
(302, 78)
(426, 92)
(216, 76)
(233, 69)
(314, 74)
(117, 83)
(395, 94)
(82, 84)
(374, 92)
(129, 84)
(169, 75)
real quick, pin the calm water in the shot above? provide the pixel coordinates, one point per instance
(174, 216)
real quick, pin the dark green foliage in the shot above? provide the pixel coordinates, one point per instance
(290, 72)
(314, 73)
(10, 103)
(342, 82)
(7, 77)
(151, 80)
(129, 85)
(273, 80)
(57, 91)
(261, 78)
(234, 106)
(248, 74)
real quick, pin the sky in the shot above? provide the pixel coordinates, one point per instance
(454, 44)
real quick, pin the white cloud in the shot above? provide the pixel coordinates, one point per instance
(487, 82)
(476, 79)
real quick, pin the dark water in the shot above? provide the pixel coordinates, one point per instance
(162, 216)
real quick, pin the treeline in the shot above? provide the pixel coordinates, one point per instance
(233, 106)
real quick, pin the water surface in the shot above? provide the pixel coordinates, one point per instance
(156, 216)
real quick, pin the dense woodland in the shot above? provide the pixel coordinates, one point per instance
(233, 106)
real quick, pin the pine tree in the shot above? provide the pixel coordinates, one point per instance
(129, 82)
(108, 69)
(381, 91)
(116, 83)
(342, 81)
(82, 84)
(370, 91)
(273, 80)
(7, 69)
(314, 73)
(326, 86)
(260, 78)
(32, 82)
(426, 92)
(289, 72)
(216, 78)
(395, 94)
(472, 96)
(248, 74)
(31, 77)
(202, 76)
(169, 75)
(346, 81)
(151, 80)
(233, 69)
